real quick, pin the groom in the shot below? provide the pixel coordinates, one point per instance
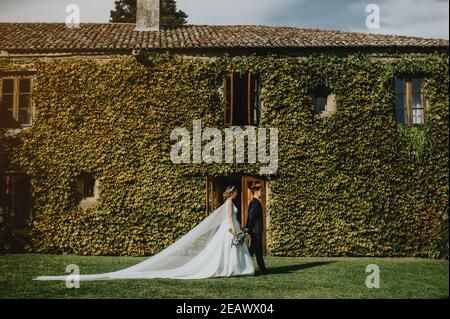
(255, 226)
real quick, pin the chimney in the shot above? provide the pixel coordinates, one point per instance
(147, 15)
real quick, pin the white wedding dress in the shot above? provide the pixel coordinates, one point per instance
(204, 252)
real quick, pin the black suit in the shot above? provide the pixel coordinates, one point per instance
(255, 227)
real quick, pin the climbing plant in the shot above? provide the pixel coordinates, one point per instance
(351, 184)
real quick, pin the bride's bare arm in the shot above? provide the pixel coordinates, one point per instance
(230, 217)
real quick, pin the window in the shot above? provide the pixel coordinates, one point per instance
(410, 106)
(87, 191)
(15, 106)
(242, 106)
(323, 101)
(84, 186)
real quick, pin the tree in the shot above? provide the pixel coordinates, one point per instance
(125, 11)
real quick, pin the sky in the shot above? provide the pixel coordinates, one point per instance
(423, 18)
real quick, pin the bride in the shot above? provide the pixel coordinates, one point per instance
(204, 252)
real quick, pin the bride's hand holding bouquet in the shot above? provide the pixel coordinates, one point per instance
(240, 238)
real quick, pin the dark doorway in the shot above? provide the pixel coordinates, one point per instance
(15, 200)
(217, 185)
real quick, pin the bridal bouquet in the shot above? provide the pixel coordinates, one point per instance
(240, 238)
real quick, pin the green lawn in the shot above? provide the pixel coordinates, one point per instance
(289, 278)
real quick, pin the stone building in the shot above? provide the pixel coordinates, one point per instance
(241, 98)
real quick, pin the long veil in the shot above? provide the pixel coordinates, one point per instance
(168, 262)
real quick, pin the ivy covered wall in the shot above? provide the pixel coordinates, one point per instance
(352, 184)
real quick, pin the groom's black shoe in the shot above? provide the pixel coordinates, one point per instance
(264, 272)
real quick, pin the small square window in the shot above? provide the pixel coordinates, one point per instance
(84, 186)
(324, 101)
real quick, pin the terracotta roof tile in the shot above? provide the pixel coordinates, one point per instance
(108, 36)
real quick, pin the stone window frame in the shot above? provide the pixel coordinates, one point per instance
(86, 200)
(325, 93)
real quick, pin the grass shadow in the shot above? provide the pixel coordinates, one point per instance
(292, 268)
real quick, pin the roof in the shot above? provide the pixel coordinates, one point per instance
(51, 37)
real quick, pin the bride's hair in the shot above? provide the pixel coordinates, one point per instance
(229, 192)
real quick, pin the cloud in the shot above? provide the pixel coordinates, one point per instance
(233, 11)
(424, 18)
